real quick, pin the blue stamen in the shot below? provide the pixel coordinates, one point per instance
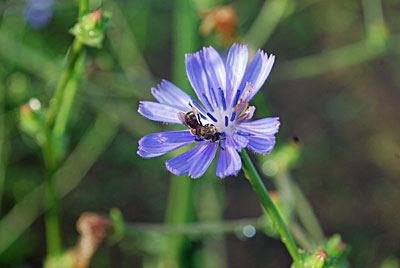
(212, 117)
(208, 102)
(243, 133)
(198, 106)
(221, 93)
(226, 121)
(233, 116)
(214, 97)
(236, 98)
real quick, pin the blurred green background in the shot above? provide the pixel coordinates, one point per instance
(335, 86)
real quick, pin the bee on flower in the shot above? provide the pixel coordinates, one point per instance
(221, 117)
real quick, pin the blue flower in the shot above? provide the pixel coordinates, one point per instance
(38, 13)
(224, 92)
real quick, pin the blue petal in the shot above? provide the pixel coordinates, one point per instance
(197, 76)
(258, 71)
(157, 144)
(159, 112)
(265, 126)
(229, 162)
(262, 145)
(181, 164)
(168, 93)
(235, 67)
(203, 161)
(214, 68)
(237, 141)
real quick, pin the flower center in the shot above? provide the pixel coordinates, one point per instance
(225, 117)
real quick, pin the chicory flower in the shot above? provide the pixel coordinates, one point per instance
(224, 92)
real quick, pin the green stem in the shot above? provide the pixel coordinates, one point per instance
(184, 39)
(73, 55)
(53, 233)
(265, 23)
(301, 236)
(68, 99)
(307, 216)
(258, 186)
(94, 142)
(3, 141)
(179, 209)
(193, 229)
(83, 7)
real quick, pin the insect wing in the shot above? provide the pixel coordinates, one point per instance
(182, 118)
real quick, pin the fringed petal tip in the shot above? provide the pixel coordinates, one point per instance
(173, 170)
(229, 162)
(222, 175)
(159, 112)
(145, 154)
(265, 54)
(157, 144)
(277, 124)
(168, 93)
(177, 172)
(261, 145)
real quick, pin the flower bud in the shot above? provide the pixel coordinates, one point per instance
(317, 260)
(32, 120)
(91, 27)
(335, 247)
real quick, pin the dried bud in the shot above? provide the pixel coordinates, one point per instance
(224, 20)
(91, 27)
(93, 229)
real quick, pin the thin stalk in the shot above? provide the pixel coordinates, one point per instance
(211, 228)
(68, 99)
(307, 216)
(194, 229)
(301, 236)
(3, 141)
(184, 39)
(265, 23)
(331, 60)
(179, 209)
(210, 197)
(73, 55)
(258, 186)
(83, 7)
(53, 233)
(94, 142)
